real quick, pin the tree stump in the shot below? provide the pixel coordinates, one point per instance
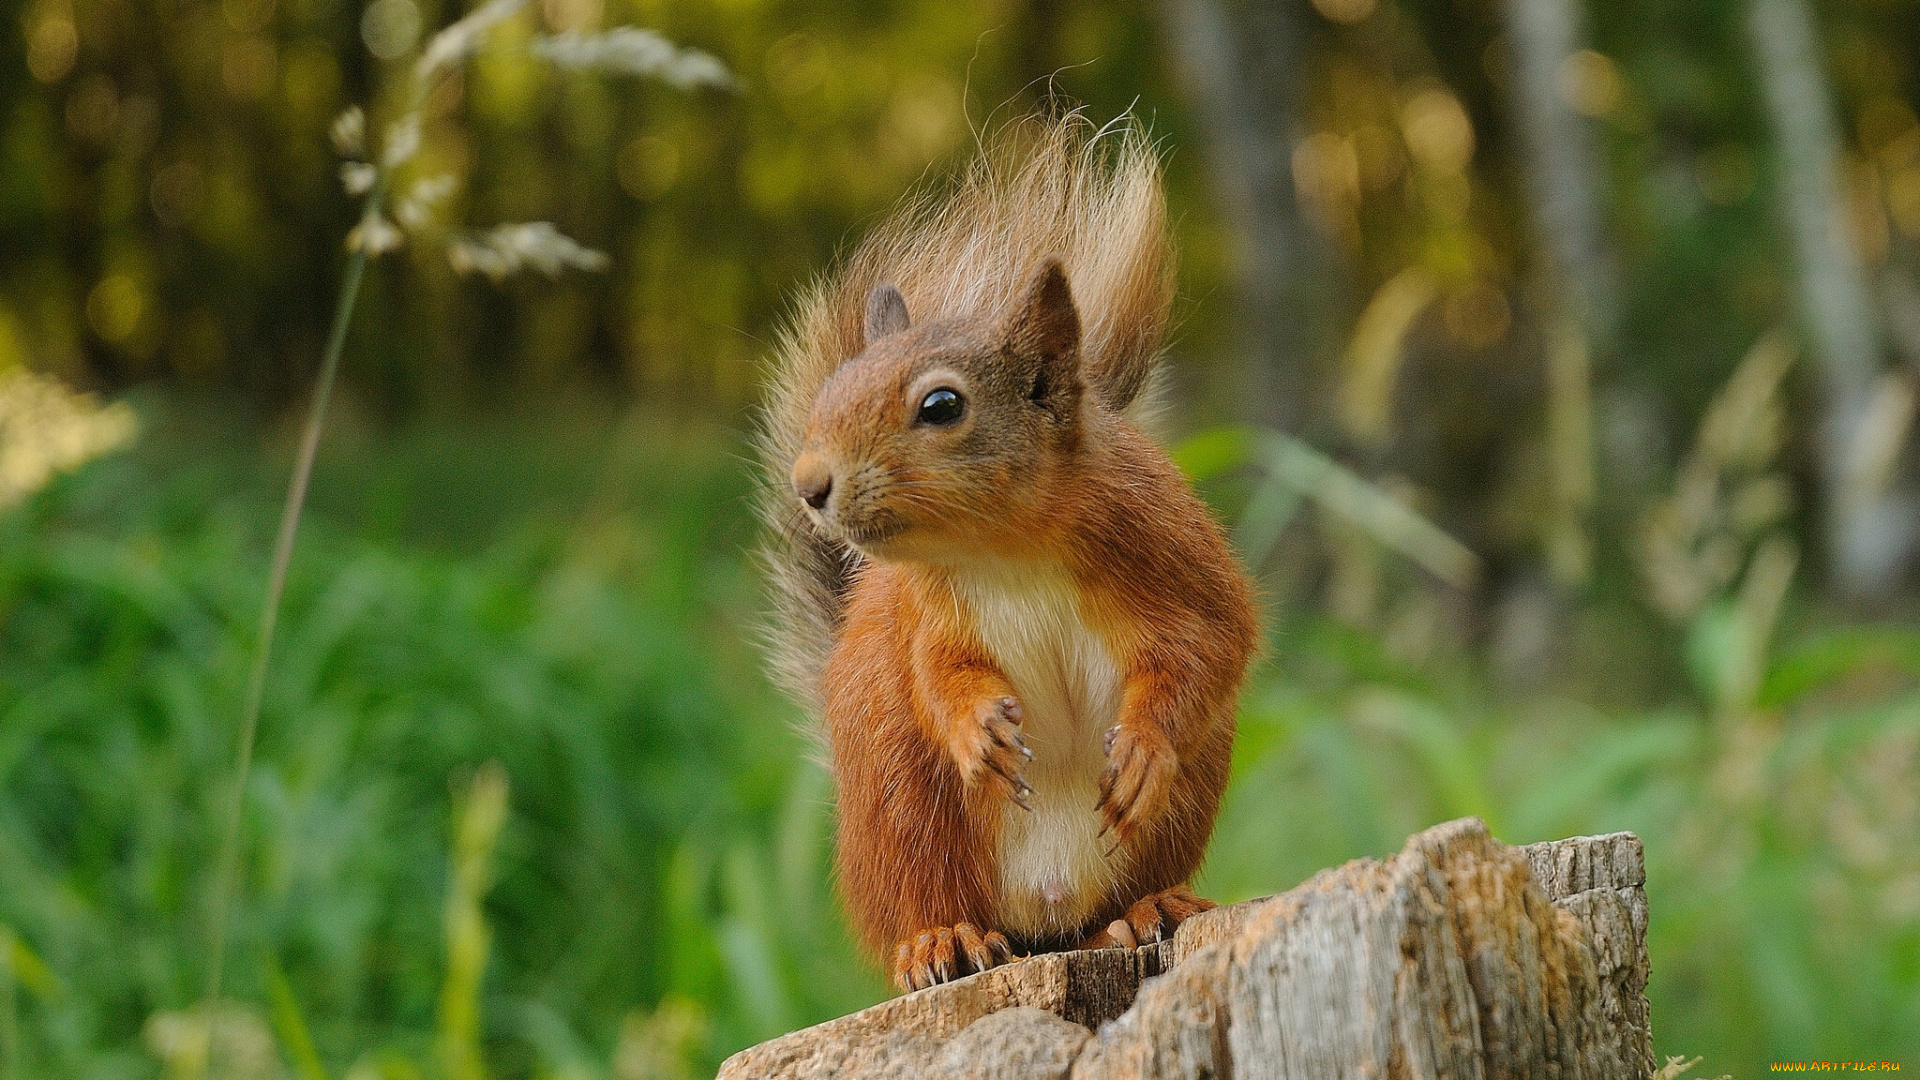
(1459, 957)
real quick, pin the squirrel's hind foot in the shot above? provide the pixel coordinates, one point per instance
(948, 953)
(1151, 919)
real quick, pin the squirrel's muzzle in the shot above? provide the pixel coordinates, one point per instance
(812, 480)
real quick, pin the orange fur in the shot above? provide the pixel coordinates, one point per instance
(914, 838)
(1042, 188)
(1023, 591)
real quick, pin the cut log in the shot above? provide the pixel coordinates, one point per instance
(1460, 957)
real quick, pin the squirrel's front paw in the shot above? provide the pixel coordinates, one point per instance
(991, 748)
(1136, 784)
(1152, 919)
(945, 954)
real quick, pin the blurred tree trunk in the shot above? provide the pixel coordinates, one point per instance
(1869, 533)
(1242, 64)
(1562, 168)
(1576, 284)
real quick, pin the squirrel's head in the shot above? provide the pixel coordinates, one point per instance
(942, 439)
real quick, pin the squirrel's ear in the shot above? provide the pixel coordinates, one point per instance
(886, 313)
(1044, 323)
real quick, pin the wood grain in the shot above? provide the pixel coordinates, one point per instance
(1459, 957)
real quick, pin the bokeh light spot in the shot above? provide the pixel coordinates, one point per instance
(52, 43)
(114, 308)
(390, 27)
(1590, 84)
(1439, 135)
(1345, 11)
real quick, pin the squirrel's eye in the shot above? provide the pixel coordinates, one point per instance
(941, 408)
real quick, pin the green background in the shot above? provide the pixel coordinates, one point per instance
(529, 536)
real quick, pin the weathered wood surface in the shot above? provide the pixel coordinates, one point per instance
(1460, 957)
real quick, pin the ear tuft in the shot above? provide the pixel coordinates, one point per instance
(1044, 323)
(886, 313)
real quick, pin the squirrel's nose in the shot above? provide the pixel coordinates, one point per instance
(812, 480)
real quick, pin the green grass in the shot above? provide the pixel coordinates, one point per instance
(596, 655)
(1783, 852)
(568, 597)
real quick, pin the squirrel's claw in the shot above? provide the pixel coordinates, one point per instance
(947, 953)
(1019, 792)
(1002, 752)
(1153, 918)
(943, 958)
(1017, 787)
(1136, 784)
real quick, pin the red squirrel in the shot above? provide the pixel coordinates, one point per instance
(1024, 632)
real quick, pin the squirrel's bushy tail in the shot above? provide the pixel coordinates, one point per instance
(1057, 187)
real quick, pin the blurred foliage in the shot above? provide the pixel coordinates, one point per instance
(524, 574)
(661, 842)
(661, 894)
(170, 205)
(172, 211)
(1781, 848)
(46, 429)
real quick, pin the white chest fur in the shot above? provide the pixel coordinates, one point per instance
(1053, 872)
